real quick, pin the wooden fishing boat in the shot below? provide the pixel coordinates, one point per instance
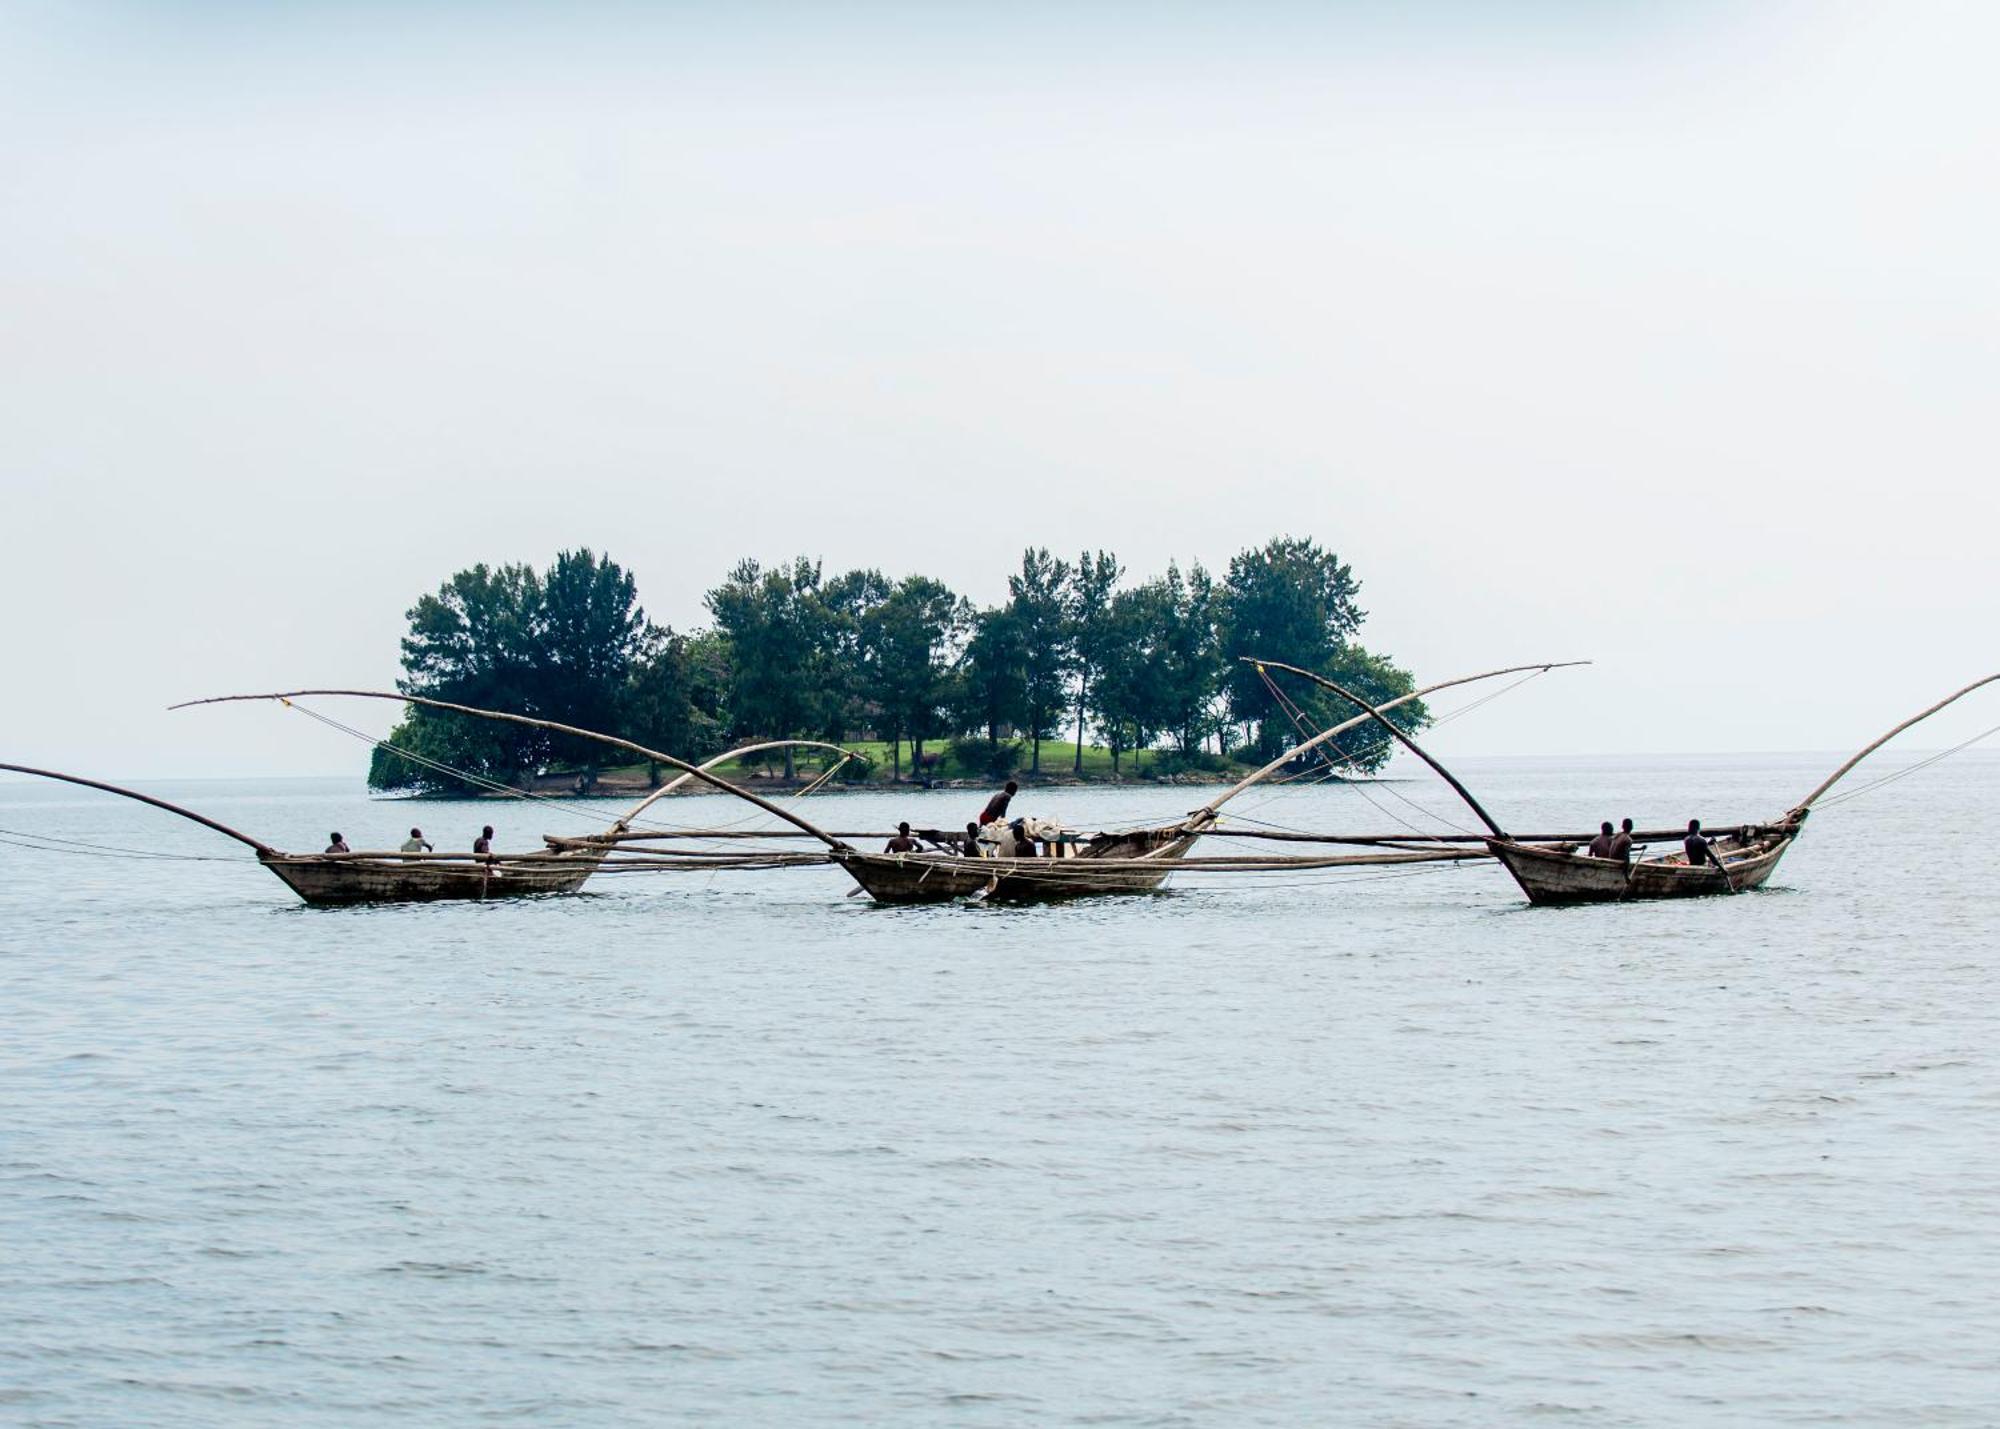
(1134, 862)
(340, 879)
(390, 876)
(1557, 873)
(1745, 857)
(378, 877)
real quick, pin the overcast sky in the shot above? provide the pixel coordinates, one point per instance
(1662, 335)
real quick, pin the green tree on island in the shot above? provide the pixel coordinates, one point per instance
(1123, 700)
(558, 645)
(993, 675)
(1294, 601)
(1091, 583)
(779, 630)
(676, 697)
(847, 701)
(1037, 598)
(911, 639)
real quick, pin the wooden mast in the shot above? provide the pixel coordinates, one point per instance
(285, 696)
(264, 850)
(1207, 811)
(1417, 749)
(1805, 804)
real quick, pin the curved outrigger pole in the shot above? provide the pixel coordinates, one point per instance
(1804, 806)
(695, 771)
(263, 849)
(1206, 812)
(743, 752)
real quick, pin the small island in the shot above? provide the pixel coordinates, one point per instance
(1079, 675)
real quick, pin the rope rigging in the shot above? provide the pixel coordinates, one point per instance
(436, 766)
(1369, 746)
(1908, 770)
(41, 843)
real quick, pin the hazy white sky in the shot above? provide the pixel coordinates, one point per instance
(1662, 335)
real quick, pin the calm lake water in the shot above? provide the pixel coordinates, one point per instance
(736, 1148)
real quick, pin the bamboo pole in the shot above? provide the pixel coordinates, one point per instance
(264, 850)
(1220, 832)
(742, 753)
(287, 696)
(1805, 804)
(1207, 811)
(537, 856)
(1058, 869)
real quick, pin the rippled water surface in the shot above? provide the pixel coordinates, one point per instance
(738, 1148)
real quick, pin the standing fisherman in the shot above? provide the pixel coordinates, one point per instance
(996, 807)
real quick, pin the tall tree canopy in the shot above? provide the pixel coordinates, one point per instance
(792, 654)
(590, 632)
(848, 699)
(558, 645)
(677, 697)
(1291, 601)
(779, 628)
(993, 674)
(1185, 649)
(1038, 599)
(1091, 584)
(912, 639)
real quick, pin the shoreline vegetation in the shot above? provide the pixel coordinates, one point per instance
(1080, 675)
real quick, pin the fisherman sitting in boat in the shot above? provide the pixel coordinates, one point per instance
(1696, 844)
(902, 842)
(484, 843)
(972, 848)
(1621, 842)
(337, 844)
(1600, 847)
(416, 842)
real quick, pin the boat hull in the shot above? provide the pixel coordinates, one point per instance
(1110, 865)
(343, 882)
(1556, 876)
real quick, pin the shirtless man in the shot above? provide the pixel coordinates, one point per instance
(902, 842)
(1621, 842)
(1696, 844)
(1600, 847)
(337, 844)
(996, 807)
